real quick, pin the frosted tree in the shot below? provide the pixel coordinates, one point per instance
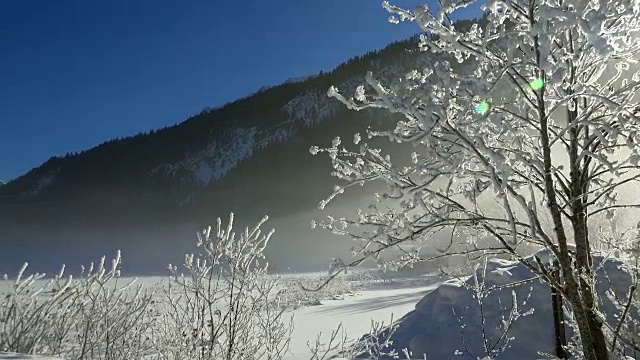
(525, 129)
(225, 305)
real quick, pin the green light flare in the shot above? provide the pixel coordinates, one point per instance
(482, 107)
(537, 84)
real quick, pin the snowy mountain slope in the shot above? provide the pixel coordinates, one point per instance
(250, 156)
(214, 161)
(182, 162)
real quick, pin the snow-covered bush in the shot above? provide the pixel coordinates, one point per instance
(301, 291)
(91, 317)
(225, 305)
(114, 319)
(374, 345)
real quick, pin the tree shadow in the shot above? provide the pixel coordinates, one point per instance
(359, 306)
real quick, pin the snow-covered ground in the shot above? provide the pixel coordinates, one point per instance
(354, 312)
(441, 319)
(444, 319)
(14, 356)
(377, 298)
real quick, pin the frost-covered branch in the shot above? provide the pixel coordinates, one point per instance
(524, 128)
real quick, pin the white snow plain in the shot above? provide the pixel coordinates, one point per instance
(442, 318)
(15, 356)
(354, 312)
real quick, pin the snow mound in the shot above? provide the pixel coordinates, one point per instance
(446, 323)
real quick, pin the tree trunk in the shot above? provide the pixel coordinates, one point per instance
(583, 300)
(594, 345)
(595, 324)
(597, 335)
(586, 296)
(590, 326)
(558, 316)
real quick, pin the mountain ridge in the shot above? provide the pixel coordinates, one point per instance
(310, 106)
(147, 194)
(184, 160)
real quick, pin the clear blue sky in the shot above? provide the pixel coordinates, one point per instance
(75, 73)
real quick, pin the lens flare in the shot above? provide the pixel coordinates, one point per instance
(537, 84)
(482, 107)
